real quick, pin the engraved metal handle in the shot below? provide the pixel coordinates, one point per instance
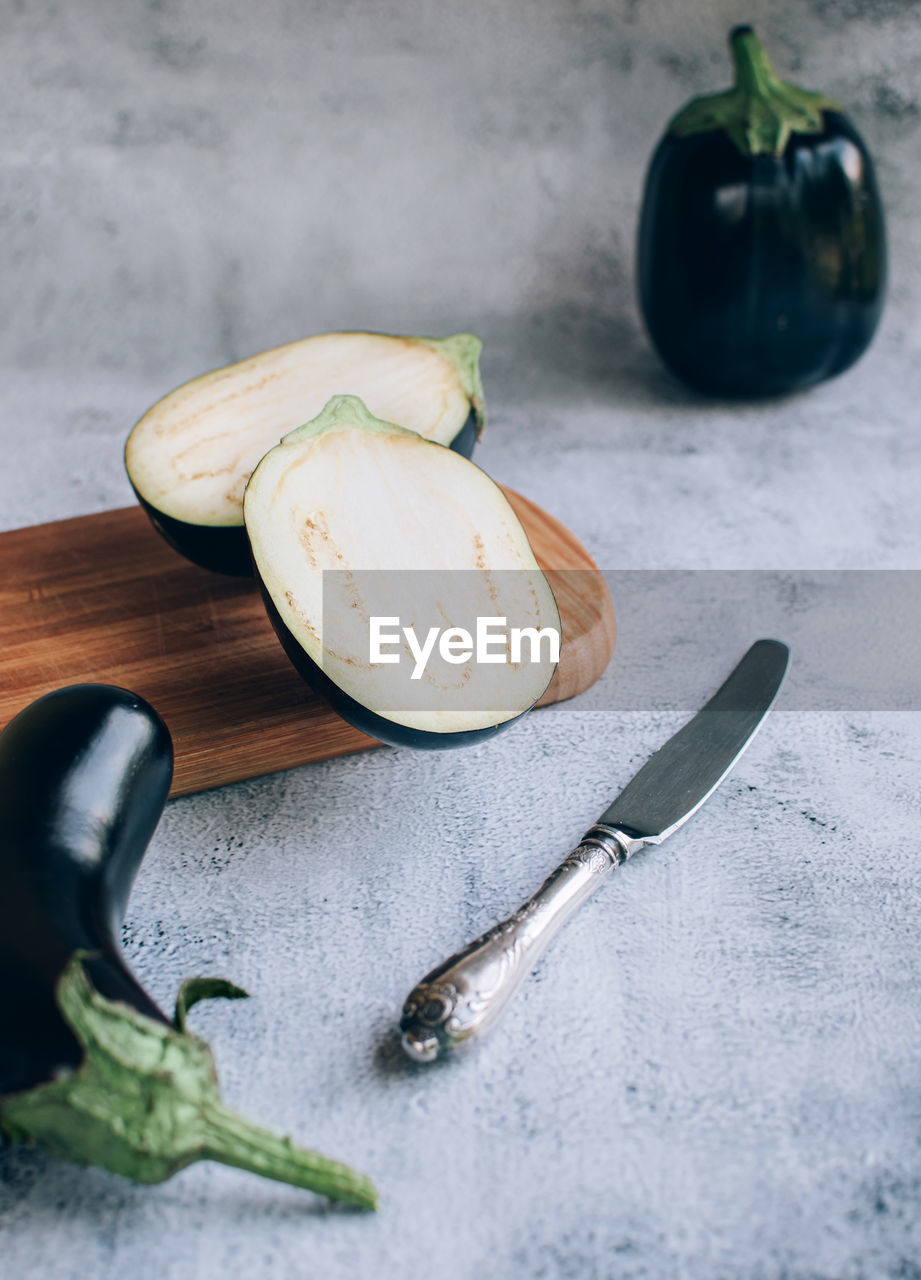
(462, 999)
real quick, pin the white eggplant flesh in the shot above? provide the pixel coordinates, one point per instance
(351, 519)
(190, 456)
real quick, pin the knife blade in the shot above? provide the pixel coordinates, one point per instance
(458, 1002)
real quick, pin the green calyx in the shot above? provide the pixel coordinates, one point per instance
(345, 412)
(145, 1101)
(463, 351)
(760, 111)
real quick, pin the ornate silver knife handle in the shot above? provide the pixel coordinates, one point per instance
(459, 1001)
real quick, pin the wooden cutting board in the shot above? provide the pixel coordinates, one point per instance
(103, 598)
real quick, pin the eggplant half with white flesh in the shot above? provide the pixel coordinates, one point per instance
(762, 248)
(399, 580)
(190, 456)
(91, 1070)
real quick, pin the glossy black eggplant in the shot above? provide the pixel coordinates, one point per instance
(84, 776)
(762, 250)
(190, 456)
(354, 521)
(91, 1069)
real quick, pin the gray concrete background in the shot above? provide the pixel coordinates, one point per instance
(716, 1071)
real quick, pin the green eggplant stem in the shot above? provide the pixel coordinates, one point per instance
(761, 111)
(230, 1139)
(754, 73)
(145, 1100)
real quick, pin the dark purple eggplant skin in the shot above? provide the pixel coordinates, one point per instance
(464, 442)
(761, 275)
(225, 548)
(218, 548)
(363, 718)
(84, 775)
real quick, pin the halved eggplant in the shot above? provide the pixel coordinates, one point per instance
(362, 529)
(190, 456)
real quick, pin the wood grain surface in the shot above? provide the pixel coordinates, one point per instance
(103, 598)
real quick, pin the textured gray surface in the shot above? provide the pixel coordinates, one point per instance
(716, 1071)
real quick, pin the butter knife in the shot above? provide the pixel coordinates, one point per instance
(457, 1003)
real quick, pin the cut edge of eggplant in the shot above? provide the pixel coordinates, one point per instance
(286, 573)
(200, 511)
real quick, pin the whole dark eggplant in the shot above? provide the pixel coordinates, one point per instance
(762, 249)
(90, 1068)
(84, 776)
